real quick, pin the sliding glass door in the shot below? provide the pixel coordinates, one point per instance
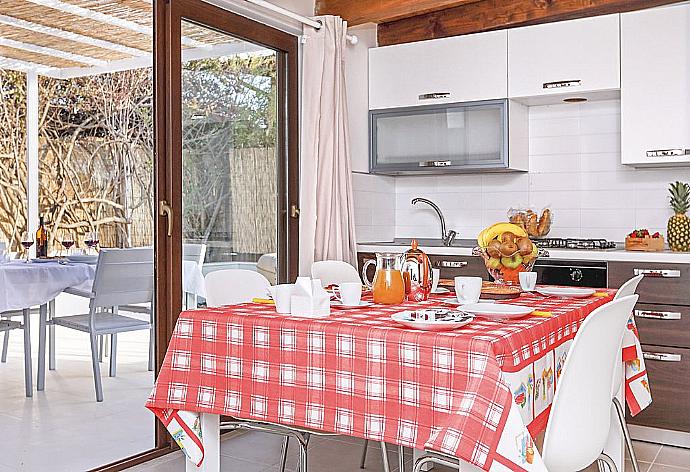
(227, 153)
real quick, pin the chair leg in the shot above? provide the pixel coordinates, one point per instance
(401, 458)
(303, 466)
(100, 348)
(384, 456)
(284, 453)
(363, 459)
(28, 375)
(5, 346)
(113, 354)
(96, 368)
(620, 412)
(51, 336)
(603, 458)
(152, 353)
(430, 460)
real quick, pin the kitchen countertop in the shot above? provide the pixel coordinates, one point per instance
(464, 248)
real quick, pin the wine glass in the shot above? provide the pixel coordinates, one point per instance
(91, 240)
(67, 241)
(27, 242)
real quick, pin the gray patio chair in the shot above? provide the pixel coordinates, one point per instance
(123, 282)
(194, 253)
(7, 316)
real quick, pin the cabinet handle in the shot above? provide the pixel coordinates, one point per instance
(663, 273)
(667, 152)
(434, 164)
(658, 315)
(434, 95)
(661, 356)
(562, 84)
(452, 264)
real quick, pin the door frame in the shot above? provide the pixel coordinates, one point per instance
(168, 17)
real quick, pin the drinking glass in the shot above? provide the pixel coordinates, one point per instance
(67, 241)
(91, 240)
(27, 242)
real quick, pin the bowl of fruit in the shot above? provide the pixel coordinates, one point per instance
(507, 250)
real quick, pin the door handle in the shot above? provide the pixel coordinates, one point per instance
(164, 209)
(294, 211)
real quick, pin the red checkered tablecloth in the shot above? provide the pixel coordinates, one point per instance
(358, 373)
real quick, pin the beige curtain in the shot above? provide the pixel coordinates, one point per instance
(327, 229)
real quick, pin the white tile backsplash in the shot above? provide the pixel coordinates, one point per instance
(574, 169)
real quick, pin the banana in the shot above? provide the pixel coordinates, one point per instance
(497, 229)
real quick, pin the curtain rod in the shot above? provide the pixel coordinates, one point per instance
(291, 14)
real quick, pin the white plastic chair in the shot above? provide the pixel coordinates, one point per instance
(231, 286)
(123, 277)
(580, 417)
(334, 272)
(627, 289)
(193, 253)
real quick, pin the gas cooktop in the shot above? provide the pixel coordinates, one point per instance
(572, 243)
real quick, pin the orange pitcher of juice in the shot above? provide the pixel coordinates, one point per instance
(388, 286)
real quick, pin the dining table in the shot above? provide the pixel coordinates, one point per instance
(479, 393)
(24, 285)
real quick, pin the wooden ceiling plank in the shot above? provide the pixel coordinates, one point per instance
(70, 36)
(38, 58)
(379, 11)
(487, 15)
(48, 51)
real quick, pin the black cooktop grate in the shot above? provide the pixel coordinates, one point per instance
(572, 243)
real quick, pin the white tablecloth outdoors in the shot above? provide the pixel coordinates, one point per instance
(25, 285)
(193, 279)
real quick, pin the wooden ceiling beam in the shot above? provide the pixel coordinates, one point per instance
(486, 15)
(378, 11)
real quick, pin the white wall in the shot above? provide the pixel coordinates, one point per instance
(574, 169)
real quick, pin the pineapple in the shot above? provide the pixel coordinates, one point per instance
(678, 229)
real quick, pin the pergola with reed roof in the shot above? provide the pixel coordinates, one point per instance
(75, 38)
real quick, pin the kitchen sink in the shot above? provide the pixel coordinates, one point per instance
(468, 243)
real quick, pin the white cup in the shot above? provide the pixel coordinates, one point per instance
(349, 293)
(281, 297)
(468, 289)
(528, 281)
(435, 276)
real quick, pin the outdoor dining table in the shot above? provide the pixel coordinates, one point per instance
(24, 285)
(479, 393)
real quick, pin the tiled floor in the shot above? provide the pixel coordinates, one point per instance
(63, 428)
(260, 452)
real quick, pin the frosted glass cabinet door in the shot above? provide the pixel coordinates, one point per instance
(451, 137)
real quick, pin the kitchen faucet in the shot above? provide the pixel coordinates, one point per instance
(448, 237)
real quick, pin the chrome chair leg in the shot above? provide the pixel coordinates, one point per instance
(51, 335)
(113, 354)
(422, 461)
(620, 412)
(284, 453)
(5, 346)
(363, 458)
(603, 458)
(384, 456)
(303, 462)
(401, 458)
(96, 368)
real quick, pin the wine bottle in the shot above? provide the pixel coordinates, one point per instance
(41, 239)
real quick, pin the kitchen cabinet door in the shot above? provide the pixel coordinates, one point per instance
(655, 86)
(448, 70)
(564, 57)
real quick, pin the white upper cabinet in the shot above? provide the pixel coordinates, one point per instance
(655, 86)
(458, 69)
(575, 56)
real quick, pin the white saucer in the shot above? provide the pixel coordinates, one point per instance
(440, 290)
(339, 304)
(566, 292)
(43, 261)
(405, 318)
(497, 311)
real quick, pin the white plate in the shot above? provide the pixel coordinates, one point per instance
(43, 261)
(405, 318)
(455, 302)
(339, 304)
(497, 311)
(566, 292)
(82, 258)
(440, 290)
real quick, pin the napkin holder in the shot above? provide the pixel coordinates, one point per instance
(309, 299)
